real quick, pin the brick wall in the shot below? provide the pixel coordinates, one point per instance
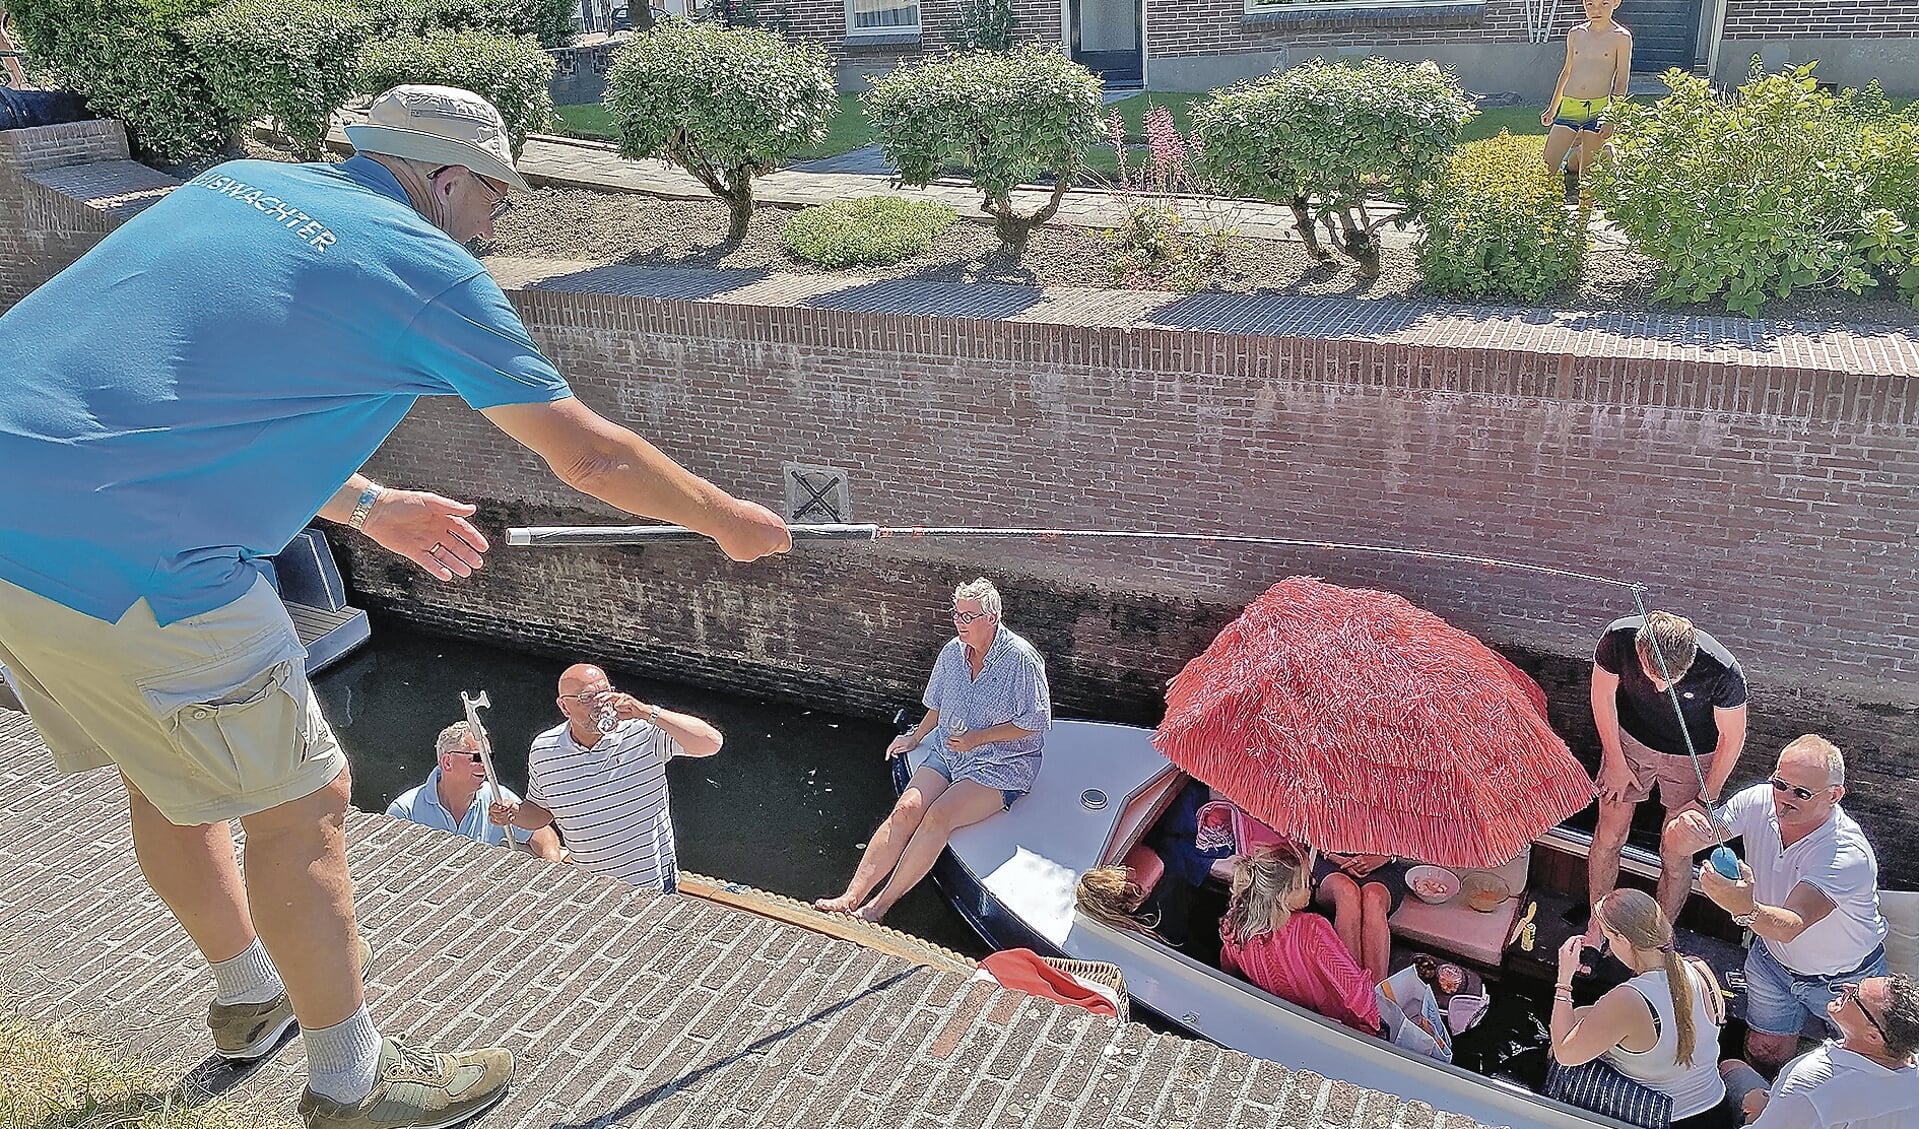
(42, 229)
(1821, 19)
(1219, 27)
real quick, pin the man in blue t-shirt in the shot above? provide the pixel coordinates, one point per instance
(456, 797)
(181, 402)
(1639, 666)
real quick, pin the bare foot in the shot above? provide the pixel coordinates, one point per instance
(845, 903)
(871, 912)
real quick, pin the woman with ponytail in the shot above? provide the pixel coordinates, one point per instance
(1293, 955)
(1660, 1028)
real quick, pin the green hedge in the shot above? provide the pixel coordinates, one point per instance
(1783, 187)
(511, 73)
(131, 60)
(549, 21)
(1324, 136)
(292, 59)
(871, 231)
(1006, 119)
(725, 104)
(1496, 225)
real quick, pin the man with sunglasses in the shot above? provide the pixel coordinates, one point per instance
(180, 403)
(1808, 888)
(450, 799)
(1868, 1079)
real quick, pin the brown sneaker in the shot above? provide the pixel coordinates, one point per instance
(418, 1091)
(242, 1032)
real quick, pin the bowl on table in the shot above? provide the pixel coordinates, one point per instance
(1485, 892)
(1434, 885)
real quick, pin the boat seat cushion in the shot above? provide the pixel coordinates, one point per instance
(1901, 911)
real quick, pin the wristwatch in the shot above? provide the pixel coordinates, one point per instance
(364, 506)
(1744, 920)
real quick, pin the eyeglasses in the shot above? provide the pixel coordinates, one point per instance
(1779, 785)
(585, 696)
(501, 203)
(965, 618)
(1850, 994)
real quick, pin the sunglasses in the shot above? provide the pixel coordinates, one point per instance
(1849, 993)
(965, 618)
(586, 695)
(501, 204)
(1779, 785)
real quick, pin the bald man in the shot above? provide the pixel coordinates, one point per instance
(601, 776)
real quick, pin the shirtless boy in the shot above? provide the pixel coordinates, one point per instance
(1598, 68)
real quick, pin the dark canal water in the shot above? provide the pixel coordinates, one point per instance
(785, 806)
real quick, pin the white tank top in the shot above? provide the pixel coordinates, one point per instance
(1693, 1089)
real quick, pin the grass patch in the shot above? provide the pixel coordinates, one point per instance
(1133, 110)
(53, 1081)
(870, 231)
(592, 121)
(1520, 121)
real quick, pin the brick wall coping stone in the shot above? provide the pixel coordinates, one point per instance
(624, 1007)
(1576, 343)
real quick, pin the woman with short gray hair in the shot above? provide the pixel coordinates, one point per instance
(989, 699)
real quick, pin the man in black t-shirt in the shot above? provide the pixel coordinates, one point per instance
(1643, 746)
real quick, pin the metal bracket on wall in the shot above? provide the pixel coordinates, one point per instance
(816, 494)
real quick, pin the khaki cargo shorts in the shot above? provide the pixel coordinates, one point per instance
(211, 717)
(1678, 784)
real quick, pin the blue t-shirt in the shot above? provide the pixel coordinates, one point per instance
(186, 396)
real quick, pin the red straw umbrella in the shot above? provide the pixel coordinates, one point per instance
(1361, 724)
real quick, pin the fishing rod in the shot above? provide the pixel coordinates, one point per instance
(557, 536)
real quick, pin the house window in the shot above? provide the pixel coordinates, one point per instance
(881, 17)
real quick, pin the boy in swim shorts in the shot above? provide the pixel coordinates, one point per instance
(1598, 68)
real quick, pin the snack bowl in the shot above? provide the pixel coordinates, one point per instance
(1485, 892)
(1434, 885)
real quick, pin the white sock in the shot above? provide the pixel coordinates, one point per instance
(343, 1060)
(249, 978)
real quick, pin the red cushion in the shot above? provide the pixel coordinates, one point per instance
(1146, 865)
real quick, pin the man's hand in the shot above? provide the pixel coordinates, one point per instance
(503, 813)
(1616, 779)
(1733, 896)
(428, 530)
(753, 532)
(1546, 118)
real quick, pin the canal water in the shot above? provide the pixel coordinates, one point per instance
(785, 806)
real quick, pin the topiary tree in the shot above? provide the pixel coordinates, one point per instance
(130, 60)
(1783, 187)
(550, 21)
(1006, 119)
(512, 73)
(293, 59)
(725, 104)
(1323, 136)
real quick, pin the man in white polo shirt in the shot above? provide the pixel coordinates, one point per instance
(601, 775)
(1866, 1080)
(1808, 889)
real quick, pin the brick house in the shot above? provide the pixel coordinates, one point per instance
(1496, 45)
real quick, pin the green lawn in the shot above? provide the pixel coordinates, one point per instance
(848, 131)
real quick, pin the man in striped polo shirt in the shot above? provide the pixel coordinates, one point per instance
(601, 775)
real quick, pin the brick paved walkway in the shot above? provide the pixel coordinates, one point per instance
(625, 1008)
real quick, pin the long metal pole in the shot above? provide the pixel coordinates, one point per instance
(577, 535)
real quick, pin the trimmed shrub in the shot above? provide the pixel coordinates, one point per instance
(871, 231)
(130, 60)
(1322, 136)
(511, 73)
(725, 104)
(293, 59)
(1496, 225)
(983, 25)
(1006, 119)
(1783, 187)
(549, 21)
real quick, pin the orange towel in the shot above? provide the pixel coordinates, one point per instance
(1023, 971)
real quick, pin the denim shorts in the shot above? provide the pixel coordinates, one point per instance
(936, 760)
(1779, 999)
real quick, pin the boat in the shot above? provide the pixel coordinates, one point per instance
(308, 580)
(1013, 879)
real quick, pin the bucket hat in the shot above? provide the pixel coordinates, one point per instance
(441, 125)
